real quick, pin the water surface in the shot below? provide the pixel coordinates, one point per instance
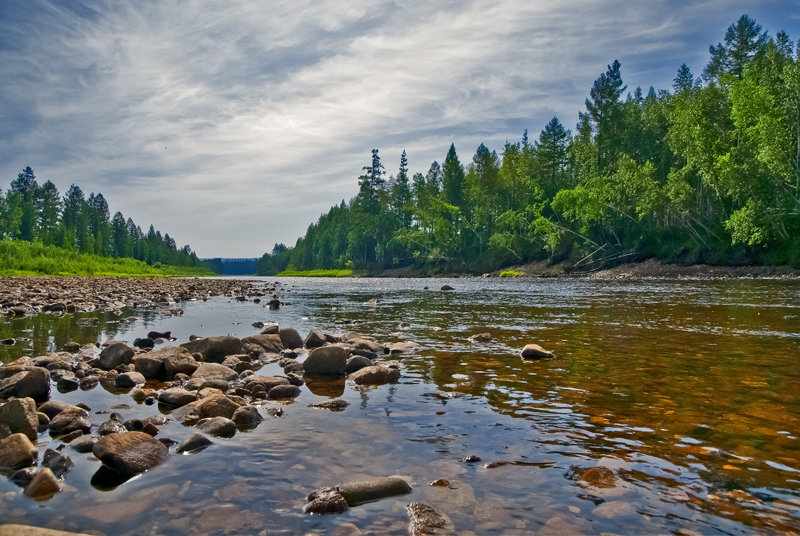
(685, 393)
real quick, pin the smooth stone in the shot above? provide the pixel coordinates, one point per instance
(212, 406)
(247, 416)
(534, 351)
(176, 396)
(24, 476)
(291, 338)
(447, 287)
(148, 366)
(283, 391)
(336, 404)
(84, 443)
(314, 339)
(364, 491)
(111, 426)
(20, 416)
(271, 330)
(404, 347)
(43, 486)
(129, 379)
(599, 477)
(177, 361)
(215, 349)
(51, 408)
(610, 510)
(114, 355)
(16, 452)
(209, 371)
(218, 426)
(357, 362)
(194, 443)
(70, 420)
(481, 337)
(30, 530)
(68, 383)
(427, 521)
(269, 343)
(375, 375)
(327, 360)
(325, 501)
(129, 453)
(35, 384)
(8, 385)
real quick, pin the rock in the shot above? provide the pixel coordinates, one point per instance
(56, 462)
(274, 304)
(43, 486)
(84, 443)
(177, 361)
(283, 391)
(67, 383)
(599, 477)
(218, 426)
(367, 345)
(534, 351)
(481, 337)
(270, 330)
(9, 342)
(336, 404)
(8, 385)
(314, 339)
(176, 396)
(357, 362)
(130, 453)
(111, 426)
(291, 338)
(51, 408)
(70, 420)
(447, 287)
(148, 365)
(208, 371)
(404, 347)
(35, 384)
(194, 443)
(212, 406)
(263, 343)
(114, 355)
(20, 416)
(614, 509)
(258, 324)
(327, 360)
(144, 343)
(72, 347)
(248, 415)
(364, 491)
(159, 335)
(44, 422)
(129, 379)
(215, 349)
(17, 451)
(375, 375)
(23, 476)
(426, 521)
(325, 501)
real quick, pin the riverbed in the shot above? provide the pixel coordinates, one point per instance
(671, 407)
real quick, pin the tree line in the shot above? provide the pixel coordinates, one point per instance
(38, 213)
(707, 172)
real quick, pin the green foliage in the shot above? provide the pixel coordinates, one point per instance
(709, 172)
(316, 273)
(20, 257)
(511, 273)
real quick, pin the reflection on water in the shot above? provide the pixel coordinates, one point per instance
(672, 406)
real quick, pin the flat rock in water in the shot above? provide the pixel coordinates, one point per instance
(325, 501)
(218, 426)
(17, 451)
(29, 530)
(327, 360)
(427, 521)
(20, 417)
(337, 404)
(215, 349)
(176, 396)
(375, 375)
(357, 362)
(283, 391)
(130, 453)
(212, 406)
(404, 347)
(534, 351)
(129, 379)
(269, 343)
(114, 355)
(70, 420)
(148, 366)
(51, 408)
(84, 443)
(247, 416)
(209, 371)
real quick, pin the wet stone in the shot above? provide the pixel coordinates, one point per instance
(284, 391)
(217, 426)
(17, 451)
(336, 404)
(43, 486)
(325, 501)
(427, 521)
(129, 379)
(194, 443)
(70, 420)
(84, 443)
(56, 462)
(20, 416)
(130, 452)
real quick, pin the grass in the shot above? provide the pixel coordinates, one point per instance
(511, 273)
(316, 273)
(19, 257)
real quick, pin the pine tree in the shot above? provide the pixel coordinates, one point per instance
(453, 178)
(742, 41)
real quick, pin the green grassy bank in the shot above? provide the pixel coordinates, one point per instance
(19, 257)
(316, 273)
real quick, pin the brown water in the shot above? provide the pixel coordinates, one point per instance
(686, 395)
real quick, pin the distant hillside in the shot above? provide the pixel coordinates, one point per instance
(231, 266)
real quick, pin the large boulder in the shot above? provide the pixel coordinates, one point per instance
(375, 375)
(35, 384)
(148, 366)
(263, 343)
(327, 360)
(211, 406)
(251, 382)
(315, 339)
(215, 349)
(115, 354)
(17, 451)
(218, 426)
(20, 417)
(69, 420)
(176, 396)
(8, 385)
(247, 416)
(130, 453)
(291, 338)
(178, 361)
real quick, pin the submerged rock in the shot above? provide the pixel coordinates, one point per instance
(364, 491)
(215, 349)
(375, 375)
(325, 501)
(427, 521)
(194, 443)
(337, 404)
(218, 426)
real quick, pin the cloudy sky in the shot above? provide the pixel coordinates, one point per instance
(232, 124)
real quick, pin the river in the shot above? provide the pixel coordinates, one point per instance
(671, 407)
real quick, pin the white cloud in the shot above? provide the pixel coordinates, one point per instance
(232, 125)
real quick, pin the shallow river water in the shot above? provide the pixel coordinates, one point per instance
(685, 395)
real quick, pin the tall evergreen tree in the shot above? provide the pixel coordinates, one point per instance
(453, 178)
(742, 41)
